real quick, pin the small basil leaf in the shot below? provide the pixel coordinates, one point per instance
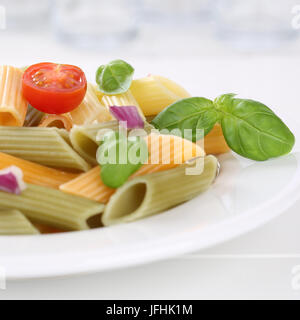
(191, 113)
(123, 157)
(253, 130)
(99, 74)
(115, 77)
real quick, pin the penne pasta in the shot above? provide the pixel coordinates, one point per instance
(23, 68)
(150, 194)
(90, 110)
(33, 117)
(57, 121)
(99, 94)
(53, 207)
(89, 185)
(154, 93)
(13, 222)
(214, 141)
(171, 151)
(121, 100)
(173, 87)
(57, 163)
(46, 146)
(13, 106)
(35, 173)
(44, 229)
(83, 139)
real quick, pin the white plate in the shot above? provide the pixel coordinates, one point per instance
(246, 195)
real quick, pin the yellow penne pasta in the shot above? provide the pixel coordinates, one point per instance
(23, 68)
(99, 94)
(214, 142)
(35, 173)
(56, 120)
(174, 87)
(13, 106)
(154, 93)
(90, 110)
(121, 100)
(170, 151)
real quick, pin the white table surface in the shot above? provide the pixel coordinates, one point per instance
(256, 265)
(190, 277)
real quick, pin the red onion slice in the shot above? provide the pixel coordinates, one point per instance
(11, 180)
(129, 114)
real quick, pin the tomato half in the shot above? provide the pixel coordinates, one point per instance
(54, 88)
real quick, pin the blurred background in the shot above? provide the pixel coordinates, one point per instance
(211, 44)
(156, 27)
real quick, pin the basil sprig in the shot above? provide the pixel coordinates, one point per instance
(119, 157)
(192, 113)
(114, 77)
(250, 128)
(253, 130)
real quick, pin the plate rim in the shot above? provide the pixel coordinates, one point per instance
(190, 242)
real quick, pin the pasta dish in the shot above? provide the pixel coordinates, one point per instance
(76, 155)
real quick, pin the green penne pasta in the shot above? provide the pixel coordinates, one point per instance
(13, 222)
(84, 138)
(53, 207)
(33, 117)
(153, 193)
(46, 146)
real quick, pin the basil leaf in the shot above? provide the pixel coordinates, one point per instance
(115, 77)
(191, 113)
(99, 73)
(120, 157)
(253, 130)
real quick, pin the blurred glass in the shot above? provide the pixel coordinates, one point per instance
(254, 24)
(176, 12)
(95, 23)
(26, 14)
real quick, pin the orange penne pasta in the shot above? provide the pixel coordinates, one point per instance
(56, 120)
(44, 229)
(214, 142)
(170, 151)
(35, 173)
(89, 185)
(90, 110)
(13, 106)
